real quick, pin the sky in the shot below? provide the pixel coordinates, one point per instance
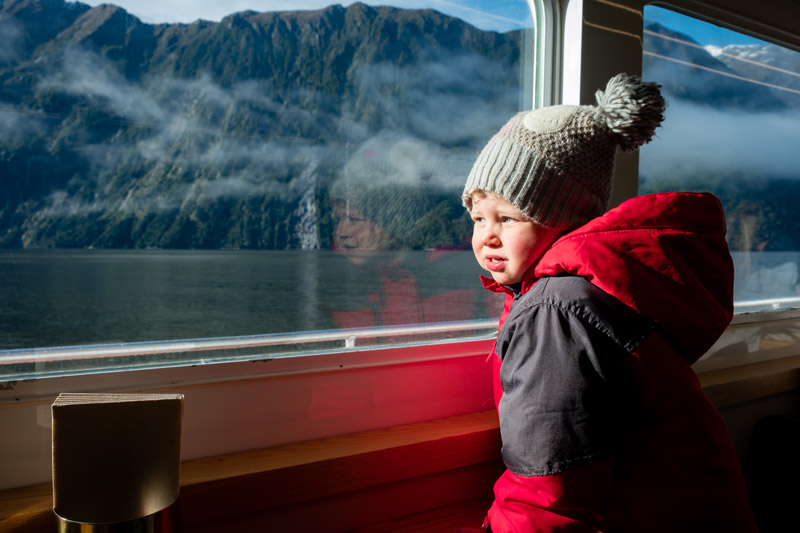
(502, 15)
(497, 15)
(702, 32)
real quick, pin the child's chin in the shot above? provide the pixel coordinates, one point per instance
(503, 279)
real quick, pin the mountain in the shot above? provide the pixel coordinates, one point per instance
(772, 65)
(689, 72)
(229, 134)
(252, 132)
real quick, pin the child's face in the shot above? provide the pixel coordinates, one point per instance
(504, 241)
(354, 231)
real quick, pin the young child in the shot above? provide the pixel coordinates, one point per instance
(604, 424)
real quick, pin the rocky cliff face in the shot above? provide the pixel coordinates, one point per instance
(117, 133)
(125, 134)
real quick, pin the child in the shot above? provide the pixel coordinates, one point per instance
(603, 422)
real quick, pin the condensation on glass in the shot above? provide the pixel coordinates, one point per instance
(260, 174)
(732, 128)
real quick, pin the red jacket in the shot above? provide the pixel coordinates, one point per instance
(630, 442)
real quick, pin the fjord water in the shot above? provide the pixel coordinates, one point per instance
(77, 297)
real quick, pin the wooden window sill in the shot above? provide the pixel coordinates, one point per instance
(740, 384)
(431, 464)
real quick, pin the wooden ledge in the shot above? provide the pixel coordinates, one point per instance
(287, 481)
(263, 481)
(740, 384)
(340, 447)
(28, 509)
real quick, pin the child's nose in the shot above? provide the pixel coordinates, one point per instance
(490, 235)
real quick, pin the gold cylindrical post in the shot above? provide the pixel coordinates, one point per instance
(164, 521)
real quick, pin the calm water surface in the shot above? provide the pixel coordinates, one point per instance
(75, 297)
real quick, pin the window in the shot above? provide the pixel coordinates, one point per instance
(243, 179)
(114, 117)
(732, 129)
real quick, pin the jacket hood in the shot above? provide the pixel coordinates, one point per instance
(665, 255)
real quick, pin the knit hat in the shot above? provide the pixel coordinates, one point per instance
(555, 164)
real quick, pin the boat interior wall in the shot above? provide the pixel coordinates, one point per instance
(432, 475)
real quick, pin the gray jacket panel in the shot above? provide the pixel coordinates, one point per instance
(566, 391)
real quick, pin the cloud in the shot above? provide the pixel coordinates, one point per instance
(85, 73)
(61, 204)
(11, 36)
(176, 128)
(398, 159)
(459, 102)
(696, 139)
(452, 99)
(193, 140)
(19, 126)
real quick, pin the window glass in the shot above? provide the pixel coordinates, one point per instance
(733, 129)
(171, 171)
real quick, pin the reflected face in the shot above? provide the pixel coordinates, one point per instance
(505, 242)
(354, 231)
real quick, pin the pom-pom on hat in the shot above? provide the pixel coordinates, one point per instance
(555, 164)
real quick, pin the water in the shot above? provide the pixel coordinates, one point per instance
(766, 281)
(76, 297)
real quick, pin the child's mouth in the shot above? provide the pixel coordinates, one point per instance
(495, 264)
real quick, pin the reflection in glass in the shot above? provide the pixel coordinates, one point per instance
(256, 132)
(732, 128)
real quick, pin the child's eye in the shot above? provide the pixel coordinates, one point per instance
(508, 219)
